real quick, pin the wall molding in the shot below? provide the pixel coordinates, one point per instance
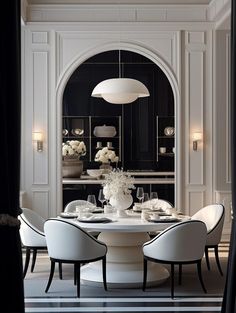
(117, 13)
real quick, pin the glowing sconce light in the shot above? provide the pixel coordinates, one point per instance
(197, 136)
(38, 138)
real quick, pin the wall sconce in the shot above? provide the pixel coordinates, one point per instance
(197, 136)
(38, 138)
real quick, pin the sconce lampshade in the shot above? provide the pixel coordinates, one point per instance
(197, 136)
(120, 90)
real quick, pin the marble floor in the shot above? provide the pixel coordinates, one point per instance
(62, 296)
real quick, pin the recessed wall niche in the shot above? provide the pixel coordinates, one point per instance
(140, 125)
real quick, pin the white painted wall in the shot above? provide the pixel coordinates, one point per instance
(186, 51)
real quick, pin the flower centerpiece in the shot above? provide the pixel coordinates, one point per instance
(105, 156)
(72, 150)
(117, 189)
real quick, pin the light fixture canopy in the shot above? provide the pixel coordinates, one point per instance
(120, 90)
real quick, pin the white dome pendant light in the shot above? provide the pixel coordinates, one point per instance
(120, 90)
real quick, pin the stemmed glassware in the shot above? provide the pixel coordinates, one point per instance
(153, 195)
(92, 199)
(101, 197)
(145, 197)
(140, 194)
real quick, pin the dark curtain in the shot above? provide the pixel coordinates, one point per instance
(11, 282)
(229, 305)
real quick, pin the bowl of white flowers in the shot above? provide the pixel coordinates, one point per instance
(106, 156)
(72, 150)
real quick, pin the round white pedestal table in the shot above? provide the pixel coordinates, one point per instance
(124, 238)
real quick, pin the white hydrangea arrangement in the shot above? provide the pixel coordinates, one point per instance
(105, 155)
(73, 149)
(116, 183)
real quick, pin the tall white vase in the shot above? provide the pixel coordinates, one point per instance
(121, 202)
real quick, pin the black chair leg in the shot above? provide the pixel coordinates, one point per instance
(77, 265)
(74, 274)
(144, 274)
(27, 260)
(180, 274)
(199, 270)
(104, 272)
(60, 269)
(33, 259)
(172, 280)
(207, 258)
(51, 275)
(218, 260)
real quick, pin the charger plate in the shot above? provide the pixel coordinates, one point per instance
(95, 220)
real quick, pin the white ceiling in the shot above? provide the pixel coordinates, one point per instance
(163, 2)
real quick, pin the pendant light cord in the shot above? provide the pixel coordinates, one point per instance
(119, 18)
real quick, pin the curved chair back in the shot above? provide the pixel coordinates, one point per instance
(158, 203)
(71, 206)
(213, 216)
(182, 242)
(67, 241)
(31, 229)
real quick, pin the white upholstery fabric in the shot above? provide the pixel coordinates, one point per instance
(157, 204)
(182, 242)
(67, 241)
(213, 216)
(31, 229)
(71, 206)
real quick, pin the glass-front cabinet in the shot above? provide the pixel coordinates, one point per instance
(97, 132)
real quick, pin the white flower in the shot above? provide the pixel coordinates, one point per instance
(105, 155)
(117, 183)
(73, 148)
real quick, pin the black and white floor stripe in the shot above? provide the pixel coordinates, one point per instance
(145, 304)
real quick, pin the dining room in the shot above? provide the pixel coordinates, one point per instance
(170, 140)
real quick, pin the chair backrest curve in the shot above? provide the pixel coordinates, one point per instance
(68, 241)
(182, 242)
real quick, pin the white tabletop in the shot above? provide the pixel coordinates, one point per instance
(130, 224)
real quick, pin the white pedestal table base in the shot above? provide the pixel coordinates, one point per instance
(124, 262)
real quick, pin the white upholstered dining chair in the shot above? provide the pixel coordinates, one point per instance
(32, 236)
(71, 206)
(68, 243)
(213, 216)
(181, 243)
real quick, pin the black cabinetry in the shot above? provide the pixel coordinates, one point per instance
(83, 128)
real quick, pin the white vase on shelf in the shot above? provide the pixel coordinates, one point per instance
(106, 167)
(121, 202)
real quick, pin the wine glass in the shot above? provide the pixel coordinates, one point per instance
(140, 194)
(92, 199)
(145, 197)
(153, 195)
(101, 197)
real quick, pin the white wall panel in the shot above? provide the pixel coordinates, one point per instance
(195, 201)
(40, 114)
(72, 45)
(40, 202)
(195, 82)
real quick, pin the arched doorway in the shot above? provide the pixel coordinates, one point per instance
(77, 62)
(141, 138)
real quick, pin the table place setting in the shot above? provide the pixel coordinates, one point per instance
(69, 214)
(94, 219)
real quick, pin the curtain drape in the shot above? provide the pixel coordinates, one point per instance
(11, 281)
(229, 305)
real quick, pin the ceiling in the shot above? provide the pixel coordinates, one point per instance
(164, 2)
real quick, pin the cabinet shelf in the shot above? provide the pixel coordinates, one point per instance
(87, 124)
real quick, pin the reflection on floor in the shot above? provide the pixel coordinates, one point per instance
(62, 295)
